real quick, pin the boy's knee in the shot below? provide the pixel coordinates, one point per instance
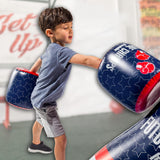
(61, 140)
(37, 125)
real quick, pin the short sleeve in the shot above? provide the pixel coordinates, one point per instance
(41, 57)
(65, 55)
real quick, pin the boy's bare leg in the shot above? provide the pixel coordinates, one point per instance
(36, 131)
(37, 146)
(60, 147)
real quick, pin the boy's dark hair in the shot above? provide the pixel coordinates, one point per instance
(51, 17)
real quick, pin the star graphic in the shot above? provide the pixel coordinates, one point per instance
(109, 81)
(126, 155)
(154, 146)
(123, 81)
(139, 149)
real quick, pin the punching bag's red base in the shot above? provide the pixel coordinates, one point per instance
(20, 87)
(140, 142)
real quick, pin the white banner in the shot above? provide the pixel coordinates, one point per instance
(21, 40)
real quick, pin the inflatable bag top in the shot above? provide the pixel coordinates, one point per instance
(20, 87)
(131, 76)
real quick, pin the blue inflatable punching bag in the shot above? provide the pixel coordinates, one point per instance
(131, 76)
(20, 87)
(140, 142)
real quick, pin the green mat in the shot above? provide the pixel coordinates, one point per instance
(85, 134)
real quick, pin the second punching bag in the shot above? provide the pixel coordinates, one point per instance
(140, 142)
(131, 76)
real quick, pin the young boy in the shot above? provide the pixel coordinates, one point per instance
(55, 63)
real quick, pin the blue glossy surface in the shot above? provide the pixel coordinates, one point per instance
(20, 87)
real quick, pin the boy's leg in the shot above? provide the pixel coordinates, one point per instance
(60, 147)
(48, 117)
(37, 146)
(36, 132)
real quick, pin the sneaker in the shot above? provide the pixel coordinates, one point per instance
(40, 148)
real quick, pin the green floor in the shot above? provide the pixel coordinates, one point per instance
(85, 134)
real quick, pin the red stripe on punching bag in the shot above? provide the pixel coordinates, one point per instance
(103, 154)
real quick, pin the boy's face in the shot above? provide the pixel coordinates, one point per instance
(63, 33)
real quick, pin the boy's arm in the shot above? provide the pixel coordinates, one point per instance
(90, 61)
(36, 65)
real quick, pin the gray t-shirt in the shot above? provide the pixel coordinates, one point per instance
(54, 72)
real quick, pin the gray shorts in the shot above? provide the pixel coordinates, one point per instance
(49, 119)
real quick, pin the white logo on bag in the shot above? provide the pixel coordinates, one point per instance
(151, 127)
(155, 157)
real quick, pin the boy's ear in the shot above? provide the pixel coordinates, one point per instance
(49, 33)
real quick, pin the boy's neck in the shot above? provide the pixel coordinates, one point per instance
(61, 44)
